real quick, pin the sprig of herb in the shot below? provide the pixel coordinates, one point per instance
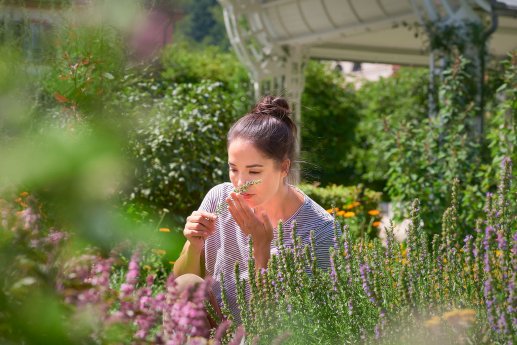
(239, 190)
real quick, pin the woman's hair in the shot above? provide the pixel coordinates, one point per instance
(270, 128)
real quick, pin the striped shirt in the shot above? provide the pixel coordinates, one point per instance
(229, 244)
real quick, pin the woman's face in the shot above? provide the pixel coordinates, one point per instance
(247, 163)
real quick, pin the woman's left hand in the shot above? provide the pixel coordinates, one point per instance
(252, 222)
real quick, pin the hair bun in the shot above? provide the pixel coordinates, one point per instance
(273, 106)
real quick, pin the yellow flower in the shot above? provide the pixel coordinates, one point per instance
(460, 317)
(433, 322)
(165, 230)
(349, 214)
(159, 251)
(147, 267)
(24, 194)
(374, 212)
(341, 213)
(376, 224)
(348, 207)
(498, 253)
(333, 210)
(356, 203)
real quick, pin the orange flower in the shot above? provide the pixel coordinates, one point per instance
(349, 214)
(376, 224)
(374, 212)
(348, 207)
(24, 194)
(341, 213)
(165, 230)
(333, 210)
(356, 203)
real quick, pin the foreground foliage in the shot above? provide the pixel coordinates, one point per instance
(449, 290)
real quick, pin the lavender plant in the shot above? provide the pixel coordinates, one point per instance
(425, 291)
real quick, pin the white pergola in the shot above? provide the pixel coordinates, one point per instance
(274, 38)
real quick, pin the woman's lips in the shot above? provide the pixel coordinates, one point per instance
(247, 196)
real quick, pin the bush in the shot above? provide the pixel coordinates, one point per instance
(187, 63)
(329, 119)
(355, 206)
(424, 153)
(386, 106)
(180, 147)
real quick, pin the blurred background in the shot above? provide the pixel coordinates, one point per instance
(113, 118)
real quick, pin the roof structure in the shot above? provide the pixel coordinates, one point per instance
(359, 30)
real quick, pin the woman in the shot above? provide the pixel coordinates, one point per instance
(261, 146)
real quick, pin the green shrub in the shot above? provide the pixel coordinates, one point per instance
(187, 63)
(329, 118)
(355, 206)
(386, 105)
(180, 147)
(424, 153)
(183, 111)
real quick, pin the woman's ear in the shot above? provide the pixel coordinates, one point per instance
(286, 164)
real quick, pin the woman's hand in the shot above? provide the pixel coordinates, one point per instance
(199, 226)
(256, 224)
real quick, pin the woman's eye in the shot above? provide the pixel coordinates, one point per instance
(254, 172)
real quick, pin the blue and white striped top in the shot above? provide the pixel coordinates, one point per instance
(229, 244)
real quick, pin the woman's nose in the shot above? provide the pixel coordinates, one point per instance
(242, 180)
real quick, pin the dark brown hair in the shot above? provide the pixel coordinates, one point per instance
(270, 128)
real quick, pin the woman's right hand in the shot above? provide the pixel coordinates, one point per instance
(199, 226)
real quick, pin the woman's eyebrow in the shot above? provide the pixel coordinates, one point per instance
(249, 166)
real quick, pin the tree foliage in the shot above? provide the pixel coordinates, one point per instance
(329, 118)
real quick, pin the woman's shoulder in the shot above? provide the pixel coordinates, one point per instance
(314, 216)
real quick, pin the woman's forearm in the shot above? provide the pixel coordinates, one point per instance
(189, 261)
(261, 254)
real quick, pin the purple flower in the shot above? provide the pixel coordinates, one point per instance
(501, 241)
(221, 330)
(29, 219)
(333, 273)
(365, 271)
(55, 237)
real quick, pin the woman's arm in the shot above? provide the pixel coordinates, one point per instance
(200, 225)
(191, 260)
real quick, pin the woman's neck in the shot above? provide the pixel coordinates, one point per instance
(283, 206)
